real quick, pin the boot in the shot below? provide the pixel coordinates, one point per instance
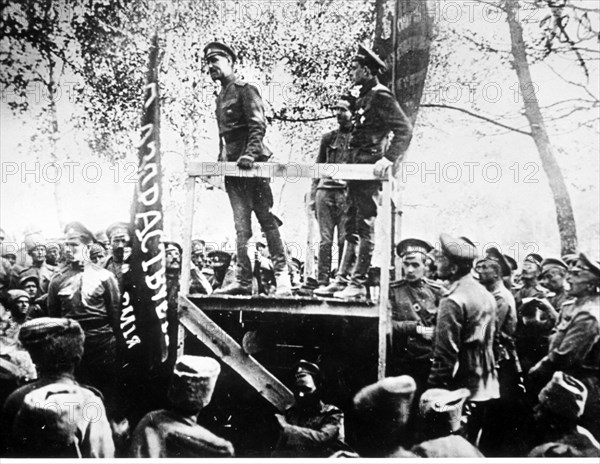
(356, 289)
(341, 279)
(243, 272)
(278, 258)
(234, 288)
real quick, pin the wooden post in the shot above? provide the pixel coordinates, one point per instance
(186, 259)
(384, 324)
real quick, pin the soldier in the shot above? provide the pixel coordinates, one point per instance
(310, 428)
(414, 301)
(199, 283)
(529, 286)
(36, 248)
(53, 253)
(31, 422)
(554, 278)
(329, 197)
(463, 354)
(174, 432)
(377, 115)
(508, 279)
(241, 120)
(223, 275)
(575, 344)
(89, 294)
(119, 237)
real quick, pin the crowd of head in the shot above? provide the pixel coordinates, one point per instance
(537, 356)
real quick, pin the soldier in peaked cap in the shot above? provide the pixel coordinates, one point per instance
(529, 286)
(575, 343)
(119, 239)
(554, 278)
(309, 428)
(329, 198)
(467, 312)
(242, 126)
(414, 301)
(89, 294)
(377, 115)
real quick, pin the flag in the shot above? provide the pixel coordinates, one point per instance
(144, 313)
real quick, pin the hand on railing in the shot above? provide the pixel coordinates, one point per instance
(381, 167)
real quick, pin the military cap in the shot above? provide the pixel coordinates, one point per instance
(33, 240)
(198, 245)
(468, 240)
(220, 255)
(390, 397)
(172, 246)
(413, 245)
(29, 274)
(370, 59)
(8, 249)
(347, 102)
(303, 367)
(570, 259)
(493, 254)
(553, 263)
(564, 396)
(589, 264)
(535, 259)
(193, 382)
(17, 294)
(219, 48)
(512, 262)
(77, 231)
(96, 250)
(444, 403)
(458, 248)
(46, 328)
(118, 228)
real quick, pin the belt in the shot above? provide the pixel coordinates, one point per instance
(92, 324)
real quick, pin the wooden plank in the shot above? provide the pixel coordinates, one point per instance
(290, 171)
(186, 259)
(292, 306)
(231, 353)
(384, 289)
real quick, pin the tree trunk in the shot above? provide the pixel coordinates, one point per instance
(53, 138)
(562, 200)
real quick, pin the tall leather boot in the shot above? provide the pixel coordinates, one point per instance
(342, 277)
(243, 273)
(356, 289)
(279, 260)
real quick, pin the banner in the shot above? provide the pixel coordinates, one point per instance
(144, 313)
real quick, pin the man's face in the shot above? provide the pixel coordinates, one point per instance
(219, 67)
(488, 273)
(12, 259)
(198, 258)
(118, 243)
(305, 389)
(173, 259)
(31, 288)
(553, 280)
(358, 73)
(530, 270)
(21, 306)
(414, 266)
(38, 254)
(442, 263)
(52, 255)
(74, 251)
(580, 280)
(343, 116)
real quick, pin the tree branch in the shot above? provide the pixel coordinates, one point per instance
(478, 116)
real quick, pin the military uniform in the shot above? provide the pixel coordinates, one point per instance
(575, 350)
(413, 304)
(89, 294)
(242, 126)
(331, 200)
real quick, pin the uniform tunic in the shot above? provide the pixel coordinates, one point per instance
(168, 434)
(413, 304)
(463, 351)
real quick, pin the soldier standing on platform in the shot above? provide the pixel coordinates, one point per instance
(329, 197)
(414, 301)
(241, 120)
(377, 115)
